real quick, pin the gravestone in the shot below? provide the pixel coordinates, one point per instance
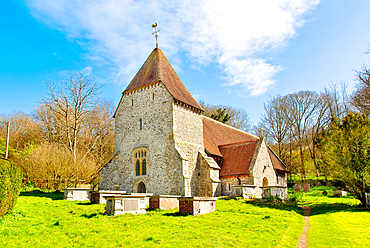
(297, 187)
(306, 187)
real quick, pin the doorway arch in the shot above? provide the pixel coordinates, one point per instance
(141, 188)
(265, 181)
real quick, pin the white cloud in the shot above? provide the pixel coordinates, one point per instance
(86, 71)
(231, 33)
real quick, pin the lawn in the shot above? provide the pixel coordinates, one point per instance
(335, 221)
(45, 220)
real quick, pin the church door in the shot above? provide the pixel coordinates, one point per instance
(141, 188)
(265, 182)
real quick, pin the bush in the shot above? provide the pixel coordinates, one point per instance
(10, 185)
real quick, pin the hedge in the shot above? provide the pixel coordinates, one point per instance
(10, 185)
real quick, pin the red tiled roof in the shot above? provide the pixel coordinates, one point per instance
(276, 162)
(216, 134)
(157, 68)
(237, 158)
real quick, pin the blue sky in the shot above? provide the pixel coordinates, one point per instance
(237, 53)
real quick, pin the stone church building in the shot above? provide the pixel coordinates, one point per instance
(165, 146)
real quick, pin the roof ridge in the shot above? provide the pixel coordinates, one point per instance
(239, 143)
(159, 75)
(218, 122)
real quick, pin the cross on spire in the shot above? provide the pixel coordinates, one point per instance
(156, 33)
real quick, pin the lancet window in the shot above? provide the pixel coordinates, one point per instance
(140, 159)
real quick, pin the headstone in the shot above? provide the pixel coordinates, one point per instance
(306, 187)
(297, 187)
(340, 193)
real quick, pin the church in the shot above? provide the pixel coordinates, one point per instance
(164, 145)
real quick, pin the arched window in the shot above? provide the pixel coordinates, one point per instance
(137, 167)
(140, 161)
(265, 182)
(141, 124)
(143, 166)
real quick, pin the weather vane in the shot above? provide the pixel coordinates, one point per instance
(156, 32)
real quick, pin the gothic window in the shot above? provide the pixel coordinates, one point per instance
(140, 161)
(141, 124)
(143, 166)
(137, 167)
(153, 96)
(132, 102)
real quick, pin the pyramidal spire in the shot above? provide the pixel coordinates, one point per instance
(157, 69)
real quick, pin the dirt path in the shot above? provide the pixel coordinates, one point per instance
(302, 241)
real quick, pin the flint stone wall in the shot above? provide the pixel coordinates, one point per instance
(163, 161)
(263, 168)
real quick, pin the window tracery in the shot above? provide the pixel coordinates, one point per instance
(140, 161)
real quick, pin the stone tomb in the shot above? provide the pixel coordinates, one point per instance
(76, 194)
(164, 202)
(197, 205)
(123, 204)
(244, 190)
(98, 196)
(280, 191)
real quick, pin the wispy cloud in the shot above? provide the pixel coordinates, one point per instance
(231, 33)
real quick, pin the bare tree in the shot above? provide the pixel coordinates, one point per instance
(275, 122)
(336, 100)
(239, 117)
(23, 129)
(300, 111)
(360, 99)
(71, 103)
(320, 120)
(73, 119)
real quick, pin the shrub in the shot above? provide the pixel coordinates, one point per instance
(10, 185)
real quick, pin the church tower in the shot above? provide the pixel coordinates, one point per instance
(159, 137)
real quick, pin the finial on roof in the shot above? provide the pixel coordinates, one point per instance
(261, 132)
(156, 32)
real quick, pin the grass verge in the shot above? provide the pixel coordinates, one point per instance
(44, 220)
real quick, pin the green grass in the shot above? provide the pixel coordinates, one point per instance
(45, 220)
(336, 221)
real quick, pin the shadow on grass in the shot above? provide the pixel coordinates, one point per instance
(278, 205)
(85, 203)
(326, 208)
(317, 209)
(56, 195)
(177, 214)
(89, 216)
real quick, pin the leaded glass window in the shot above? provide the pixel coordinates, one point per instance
(140, 161)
